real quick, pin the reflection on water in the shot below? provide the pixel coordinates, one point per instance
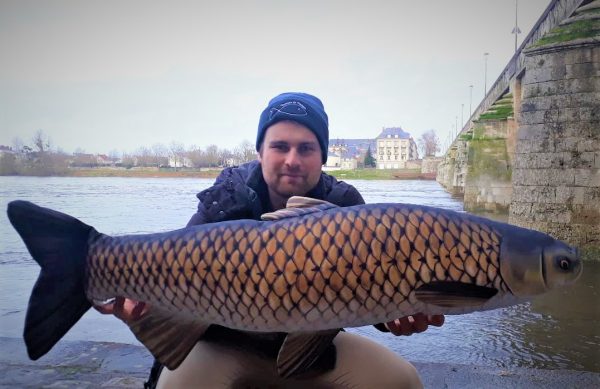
(558, 330)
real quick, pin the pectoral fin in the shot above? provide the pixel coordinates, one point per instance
(300, 351)
(166, 336)
(454, 294)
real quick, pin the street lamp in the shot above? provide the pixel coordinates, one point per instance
(462, 111)
(485, 57)
(456, 124)
(470, 99)
(516, 30)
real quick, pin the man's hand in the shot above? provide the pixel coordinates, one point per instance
(409, 325)
(125, 309)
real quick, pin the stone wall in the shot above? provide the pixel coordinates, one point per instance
(488, 184)
(556, 175)
(430, 164)
(452, 171)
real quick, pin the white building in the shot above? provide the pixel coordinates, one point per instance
(394, 148)
(180, 162)
(334, 161)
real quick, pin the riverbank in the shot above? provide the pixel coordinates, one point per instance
(84, 364)
(358, 174)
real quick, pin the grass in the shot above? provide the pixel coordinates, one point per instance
(358, 174)
(577, 30)
(497, 112)
(145, 173)
(378, 174)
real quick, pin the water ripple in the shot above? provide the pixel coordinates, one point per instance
(556, 331)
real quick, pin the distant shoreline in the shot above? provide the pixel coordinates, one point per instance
(358, 174)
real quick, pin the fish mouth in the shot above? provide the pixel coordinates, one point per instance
(544, 271)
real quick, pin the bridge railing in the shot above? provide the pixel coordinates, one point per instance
(556, 12)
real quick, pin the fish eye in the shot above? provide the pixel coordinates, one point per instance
(564, 263)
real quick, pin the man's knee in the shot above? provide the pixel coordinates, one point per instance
(365, 363)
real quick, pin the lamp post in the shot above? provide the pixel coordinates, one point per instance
(456, 124)
(485, 57)
(462, 111)
(470, 99)
(516, 30)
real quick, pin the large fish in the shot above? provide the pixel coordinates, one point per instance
(306, 270)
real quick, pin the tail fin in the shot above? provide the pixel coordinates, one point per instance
(58, 243)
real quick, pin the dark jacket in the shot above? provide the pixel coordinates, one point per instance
(241, 193)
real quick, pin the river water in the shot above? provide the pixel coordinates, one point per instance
(560, 330)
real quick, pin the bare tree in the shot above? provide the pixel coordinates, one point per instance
(212, 156)
(225, 157)
(160, 153)
(128, 161)
(177, 152)
(41, 142)
(196, 155)
(429, 143)
(18, 145)
(245, 152)
(144, 156)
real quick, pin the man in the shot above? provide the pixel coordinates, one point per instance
(292, 143)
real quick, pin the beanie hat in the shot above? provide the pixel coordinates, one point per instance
(299, 107)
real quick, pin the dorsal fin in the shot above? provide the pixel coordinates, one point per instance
(306, 202)
(297, 206)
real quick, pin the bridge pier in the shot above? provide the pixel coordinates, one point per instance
(532, 147)
(556, 174)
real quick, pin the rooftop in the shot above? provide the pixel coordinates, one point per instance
(394, 132)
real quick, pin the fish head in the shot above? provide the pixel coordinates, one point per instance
(533, 263)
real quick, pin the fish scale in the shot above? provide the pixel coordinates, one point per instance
(338, 267)
(306, 270)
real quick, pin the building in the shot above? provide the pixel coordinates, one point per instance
(394, 148)
(356, 146)
(334, 160)
(6, 150)
(178, 161)
(341, 160)
(350, 153)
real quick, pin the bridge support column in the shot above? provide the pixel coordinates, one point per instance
(556, 173)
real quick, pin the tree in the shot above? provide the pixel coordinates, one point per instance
(369, 160)
(177, 151)
(245, 152)
(212, 156)
(41, 142)
(18, 145)
(429, 143)
(161, 154)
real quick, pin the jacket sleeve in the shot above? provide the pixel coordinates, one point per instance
(353, 196)
(199, 217)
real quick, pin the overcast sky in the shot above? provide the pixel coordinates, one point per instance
(117, 75)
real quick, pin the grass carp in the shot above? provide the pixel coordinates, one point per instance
(307, 270)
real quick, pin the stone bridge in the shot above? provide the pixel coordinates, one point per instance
(532, 147)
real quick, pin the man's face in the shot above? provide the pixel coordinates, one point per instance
(290, 158)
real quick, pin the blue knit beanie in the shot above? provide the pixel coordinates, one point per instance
(300, 107)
